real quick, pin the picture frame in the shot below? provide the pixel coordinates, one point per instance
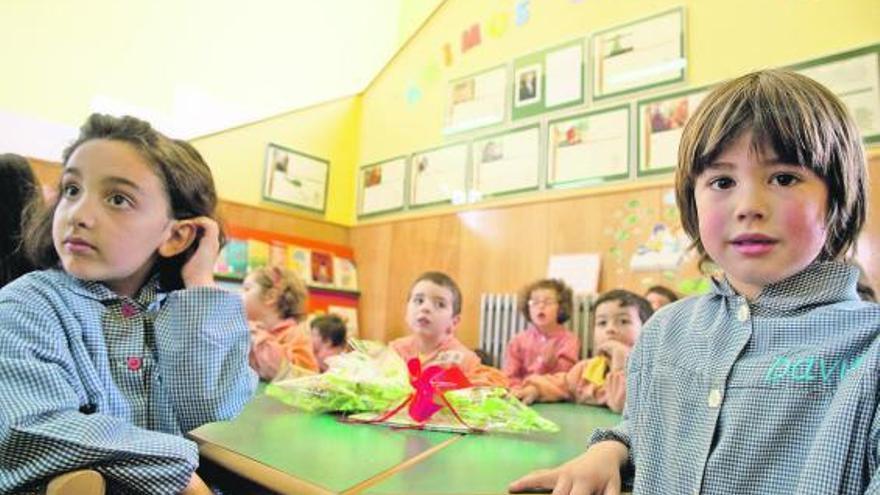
(661, 120)
(854, 76)
(638, 55)
(293, 178)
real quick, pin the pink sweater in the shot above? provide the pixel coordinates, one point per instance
(572, 386)
(533, 352)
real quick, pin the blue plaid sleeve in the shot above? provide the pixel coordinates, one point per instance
(43, 430)
(202, 343)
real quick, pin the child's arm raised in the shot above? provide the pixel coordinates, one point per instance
(48, 424)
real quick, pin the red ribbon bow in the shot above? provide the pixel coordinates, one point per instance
(430, 384)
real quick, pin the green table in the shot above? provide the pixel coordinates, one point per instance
(484, 464)
(293, 452)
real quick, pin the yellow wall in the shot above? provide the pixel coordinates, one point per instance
(724, 39)
(328, 131)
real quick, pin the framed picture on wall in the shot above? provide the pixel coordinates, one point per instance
(506, 162)
(661, 121)
(295, 179)
(549, 79)
(854, 76)
(475, 101)
(641, 54)
(439, 175)
(382, 187)
(588, 148)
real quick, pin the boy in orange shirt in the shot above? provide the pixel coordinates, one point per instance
(433, 311)
(600, 380)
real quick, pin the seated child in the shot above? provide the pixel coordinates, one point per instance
(432, 314)
(328, 338)
(120, 342)
(770, 382)
(600, 380)
(660, 296)
(545, 346)
(275, 299)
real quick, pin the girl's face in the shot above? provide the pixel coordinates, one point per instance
(429, 311)
(111, 217)
(257, 303)
(616, 322)
(761, 220)
(543, 307)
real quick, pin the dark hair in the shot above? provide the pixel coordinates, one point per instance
(443, 280)
(485, 358)
(331, 327)
(664, 291)
(181, 169)
(19, 197)
(563, 294)
(626, 299)
(290, 291)
(803, 122)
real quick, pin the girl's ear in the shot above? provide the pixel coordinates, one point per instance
(181, 236)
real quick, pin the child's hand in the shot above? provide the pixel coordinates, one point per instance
(199, 269)
(616, 352)
(596, 471)
(527, 393)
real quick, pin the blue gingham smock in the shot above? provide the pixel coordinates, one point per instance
(776, 396)
(89, 378)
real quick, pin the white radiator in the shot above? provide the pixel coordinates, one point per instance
(500, 320)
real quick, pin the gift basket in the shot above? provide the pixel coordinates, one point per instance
(372, 384)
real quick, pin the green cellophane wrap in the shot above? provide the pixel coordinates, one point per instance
(495, 409)
(357, 381)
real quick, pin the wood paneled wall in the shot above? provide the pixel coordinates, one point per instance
(501, 249)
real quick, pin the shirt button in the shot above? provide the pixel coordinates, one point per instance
(742, 314)
(714, 398)
(134, 363)
(128, 310)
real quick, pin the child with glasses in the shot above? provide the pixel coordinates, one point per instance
(546, 346)
(601, 380)
(275, 301)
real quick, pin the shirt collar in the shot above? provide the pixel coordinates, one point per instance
(820, 283)
(100, 292)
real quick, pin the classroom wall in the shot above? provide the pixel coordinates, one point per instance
(500, 246)
(328, 131)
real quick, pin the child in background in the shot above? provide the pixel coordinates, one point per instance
(600, 380)
(275, 301)
(328, 338)
(433, 311)
(769, 383)
(19, 193)
(122, 342)
(545, 347)
(660, 296)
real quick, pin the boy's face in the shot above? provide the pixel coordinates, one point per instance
(761, 220)
(618, 323)
(112, 215)
(543, 307)
(429, 311)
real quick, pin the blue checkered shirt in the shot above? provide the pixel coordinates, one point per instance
(774, 396)
(92, 379)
